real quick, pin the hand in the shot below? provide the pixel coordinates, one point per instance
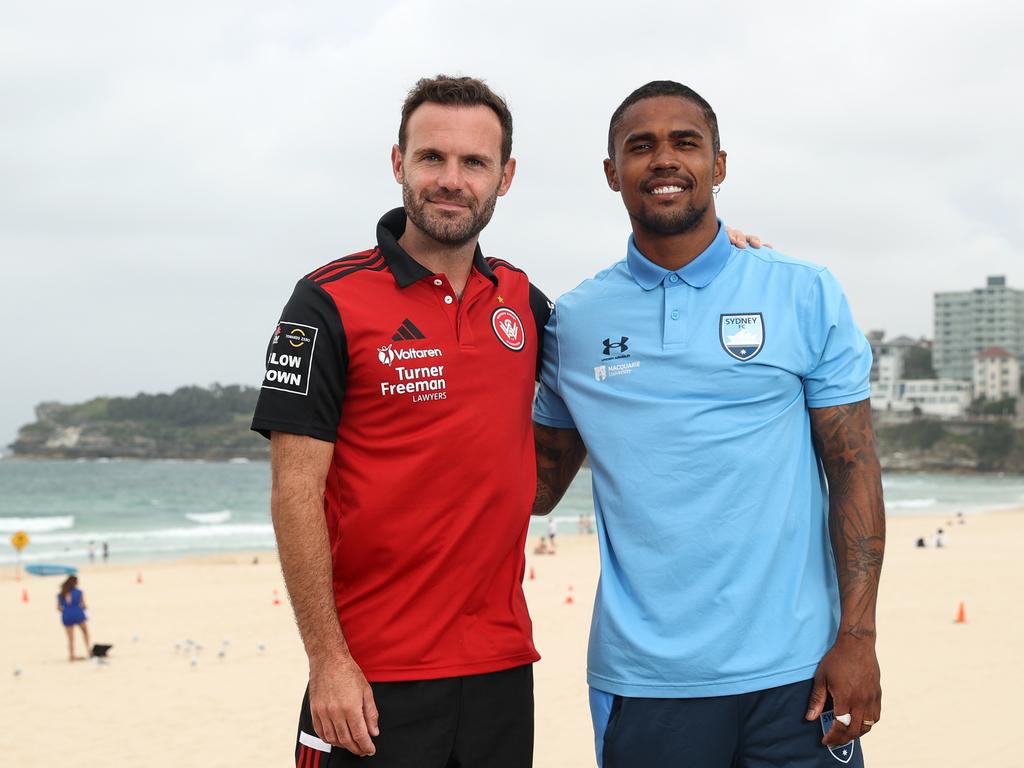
(342, 706)
(850, 673)
(742, 240)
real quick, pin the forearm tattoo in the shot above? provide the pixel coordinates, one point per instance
(845, 443)
(560, 452)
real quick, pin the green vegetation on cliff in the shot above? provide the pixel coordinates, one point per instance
(191, 422)
(971, 445)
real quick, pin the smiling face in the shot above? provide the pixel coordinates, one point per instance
(451, 171)
(665, 166)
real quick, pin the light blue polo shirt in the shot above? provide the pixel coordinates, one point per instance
(690, 390)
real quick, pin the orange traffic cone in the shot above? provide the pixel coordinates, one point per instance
(138, 578)
(568, 598)
(533, 575)
(24, 595)
(277, 600)
(961, 618)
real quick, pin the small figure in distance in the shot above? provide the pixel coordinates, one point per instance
(71, 606)
(939, 540)
(542, 547)
(106, 551)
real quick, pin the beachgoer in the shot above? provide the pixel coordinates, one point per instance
(92, 552)
(71, 606)
(552, 531)
(708, 385)
(939, 539)
(542, 547)
(106, 551)
(381, 374)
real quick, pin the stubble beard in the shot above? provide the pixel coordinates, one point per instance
(671, 222)
(455, 230)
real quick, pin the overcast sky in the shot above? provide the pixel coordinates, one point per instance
(168, 170)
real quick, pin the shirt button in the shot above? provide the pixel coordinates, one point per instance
(675, 314)
(448, 299)
(439, 281)
(673, 278)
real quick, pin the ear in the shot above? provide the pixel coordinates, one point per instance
(396, 164)
(507, 173)
(720, 167)
(611, 176)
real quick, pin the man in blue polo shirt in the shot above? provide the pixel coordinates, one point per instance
(717, 391)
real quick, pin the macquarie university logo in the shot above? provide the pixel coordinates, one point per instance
(508, 328)
(742, 336)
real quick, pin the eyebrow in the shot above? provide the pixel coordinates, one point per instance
(690, 133)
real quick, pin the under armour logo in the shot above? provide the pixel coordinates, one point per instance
(621, 345)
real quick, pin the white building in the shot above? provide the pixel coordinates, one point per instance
(888, 363)
(996, 374)
(967, 322)
(945, 398)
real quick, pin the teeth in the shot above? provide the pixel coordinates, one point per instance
(665, 190)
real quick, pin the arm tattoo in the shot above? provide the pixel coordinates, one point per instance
(560, 453)
(845, 443)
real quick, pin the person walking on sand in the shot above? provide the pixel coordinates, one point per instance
(71, 606)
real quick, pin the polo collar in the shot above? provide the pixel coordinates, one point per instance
(697, 274)
(404, 267)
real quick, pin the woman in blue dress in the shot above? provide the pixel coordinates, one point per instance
(71, 605)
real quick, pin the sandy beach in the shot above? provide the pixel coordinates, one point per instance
(948, 687)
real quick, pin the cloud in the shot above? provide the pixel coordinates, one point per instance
(169, 170)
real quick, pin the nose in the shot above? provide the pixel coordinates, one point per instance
(450, 176)
(664, 157)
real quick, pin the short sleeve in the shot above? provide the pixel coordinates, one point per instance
(304, 382)
(548, 407)
(540, 307)
(840, 356)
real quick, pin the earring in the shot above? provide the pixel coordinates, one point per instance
(715, 189)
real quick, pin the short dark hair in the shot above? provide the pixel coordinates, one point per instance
(663, 88)
(458, 92)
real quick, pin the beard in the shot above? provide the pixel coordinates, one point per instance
(671, 222)
(453, 229)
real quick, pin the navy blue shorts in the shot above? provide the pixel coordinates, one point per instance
(762, 729)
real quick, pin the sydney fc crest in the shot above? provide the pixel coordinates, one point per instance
(742, 336)
(844, 752)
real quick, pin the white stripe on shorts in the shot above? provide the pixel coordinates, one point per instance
(312, 741)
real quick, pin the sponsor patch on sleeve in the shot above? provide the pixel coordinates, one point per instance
(289, 363)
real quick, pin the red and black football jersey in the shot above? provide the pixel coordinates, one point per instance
(427, 399)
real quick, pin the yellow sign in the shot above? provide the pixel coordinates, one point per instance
(19, 540)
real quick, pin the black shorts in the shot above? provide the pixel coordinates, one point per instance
(762, 729)
(455, 722)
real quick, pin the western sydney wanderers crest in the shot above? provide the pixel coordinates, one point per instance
(742, 336)
(844, 752)
(508, 328)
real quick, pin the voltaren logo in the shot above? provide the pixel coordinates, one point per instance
(388, 354)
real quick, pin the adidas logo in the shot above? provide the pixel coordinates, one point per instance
(407, 331)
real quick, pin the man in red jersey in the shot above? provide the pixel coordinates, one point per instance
(397, 397)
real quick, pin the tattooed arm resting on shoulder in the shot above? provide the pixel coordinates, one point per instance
(845, 443)
(560, 453)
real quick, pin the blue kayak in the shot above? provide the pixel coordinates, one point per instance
(49, 569)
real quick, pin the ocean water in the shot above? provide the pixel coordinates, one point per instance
(147, 510)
